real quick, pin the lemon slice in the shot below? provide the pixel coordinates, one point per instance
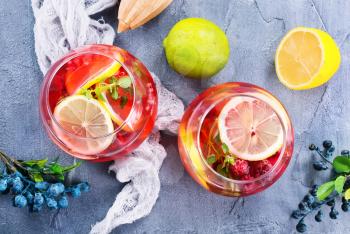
(306, 58)
(83, 117)
(250, 128)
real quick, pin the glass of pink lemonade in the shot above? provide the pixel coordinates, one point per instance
(98, 102)
(235, 139)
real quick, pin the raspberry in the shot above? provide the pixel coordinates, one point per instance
(240, 168)
(260, 167)
(247, 177)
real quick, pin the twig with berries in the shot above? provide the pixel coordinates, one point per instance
(35, 183)
(327, 193)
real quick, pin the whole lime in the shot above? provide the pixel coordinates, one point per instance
(196, 48)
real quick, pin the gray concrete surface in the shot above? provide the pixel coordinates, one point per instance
(254, 29)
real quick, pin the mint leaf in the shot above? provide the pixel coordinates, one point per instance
(217, 138)
(224, 148)
(341, 164)
(221, 170)
(123, 101)
(325, 190)
(124, 82)
(115, 94)
(98, 93)
(339, 184)
(211, 159)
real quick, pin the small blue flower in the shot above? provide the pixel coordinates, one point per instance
(63, 202)
(38, 199)
(84, 187)
(37, 208)
(75, 191)
(17, 185)
(30, 197)
(20, 201)
(3, 185)
(42, 185)
(51, 203)
(55, 189)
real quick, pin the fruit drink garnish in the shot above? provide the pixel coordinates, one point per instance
(235, 139)
(241, 138)
(98, 102)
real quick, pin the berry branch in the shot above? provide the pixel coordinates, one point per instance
(327, 193)
(35, 183)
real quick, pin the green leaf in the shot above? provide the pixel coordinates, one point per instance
(221, 170)
(341, 164)
(123, 101)
(224, 148)
(98, 93)
(347, 194)
(339, 184)
(217, 138)
(325, 190)
(39, 163)
(37, 177)
(115, 94)
(55, 168)
(211, 159)
(124, 82)
(69, 168)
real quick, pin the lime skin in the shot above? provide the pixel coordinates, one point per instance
(196, 48)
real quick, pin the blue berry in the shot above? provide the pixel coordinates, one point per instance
(301, 226)
(345, 153)
(327, 144)
(84, 187)
(319, 216)
(42, 185)
(3, 185)
(303, 206)
(55, 190)
(296, 214)
(20, 201)
(17, 185)
(75, 191)
(331, 202)
(63, 202)
(319, 166)
(333, 214)
(37, 208)
(309, 199)
(30, 197)
(345, 207)
(312, 147)
(331, 150)
(51, 203)
(38, 199)
(313, 190)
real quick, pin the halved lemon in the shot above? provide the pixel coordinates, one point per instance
(250, 128)
(83, 117)
(90, 71)
(306, 58)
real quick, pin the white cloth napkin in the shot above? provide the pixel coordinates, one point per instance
(62, 25)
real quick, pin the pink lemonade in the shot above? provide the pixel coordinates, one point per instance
(98, 103)
(236, 139)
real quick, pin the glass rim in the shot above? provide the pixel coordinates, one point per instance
(279, 161)
(74, 54)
